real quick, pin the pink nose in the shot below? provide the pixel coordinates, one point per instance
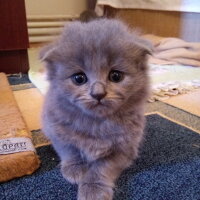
(98, 96)
(98, 91)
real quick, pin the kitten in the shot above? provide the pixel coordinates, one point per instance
(94, 109)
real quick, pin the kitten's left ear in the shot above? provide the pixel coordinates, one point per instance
(145, 45)
(145, 48)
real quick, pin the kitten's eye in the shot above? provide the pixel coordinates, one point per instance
(79, 78)
(116, 76)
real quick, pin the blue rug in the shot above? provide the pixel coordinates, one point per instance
(16, 79)
(168, 169)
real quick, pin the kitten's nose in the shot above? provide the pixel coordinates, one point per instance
(98, 91)
(98, 96)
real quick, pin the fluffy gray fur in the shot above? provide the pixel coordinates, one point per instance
(96, 140)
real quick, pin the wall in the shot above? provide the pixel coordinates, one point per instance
(184, 25)
(46, 18)
(55, 7)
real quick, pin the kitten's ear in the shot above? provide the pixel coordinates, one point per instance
(145, 45)
(47, 55)
(145, 48)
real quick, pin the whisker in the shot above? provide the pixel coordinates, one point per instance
(83, 100)
(77, 96)
(120, 94)
(113, 98)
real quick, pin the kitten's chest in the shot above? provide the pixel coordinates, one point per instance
(104, 129)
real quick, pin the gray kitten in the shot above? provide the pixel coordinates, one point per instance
(94, 109)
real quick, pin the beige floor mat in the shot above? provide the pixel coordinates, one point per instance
(189, 102)
(17, 154)
(30, 104)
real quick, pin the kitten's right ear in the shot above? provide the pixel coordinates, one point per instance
(47, 55)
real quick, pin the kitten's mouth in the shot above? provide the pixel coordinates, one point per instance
(99, 103)
(99, 108)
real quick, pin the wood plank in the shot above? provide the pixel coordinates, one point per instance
(163, 23)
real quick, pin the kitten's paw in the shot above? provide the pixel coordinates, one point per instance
(73, 172)
(94, 191)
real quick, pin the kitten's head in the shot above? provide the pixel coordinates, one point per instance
(97, 66)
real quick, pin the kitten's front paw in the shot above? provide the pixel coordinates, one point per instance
(73, 172)
(94, 191)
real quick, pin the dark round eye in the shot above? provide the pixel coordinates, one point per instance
(115, 76)
(79, 78)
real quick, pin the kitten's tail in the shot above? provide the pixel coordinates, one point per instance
(88, 15)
